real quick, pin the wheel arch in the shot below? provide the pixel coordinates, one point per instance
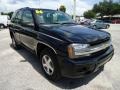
(41, 46)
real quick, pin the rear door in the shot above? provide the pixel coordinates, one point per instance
(15, 25)
(28, 33)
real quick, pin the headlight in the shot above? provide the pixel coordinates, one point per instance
(75, 50)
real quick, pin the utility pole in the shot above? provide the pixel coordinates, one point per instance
(74, 10)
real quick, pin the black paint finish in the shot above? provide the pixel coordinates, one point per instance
(58, 37)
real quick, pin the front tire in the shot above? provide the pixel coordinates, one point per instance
(49, 65)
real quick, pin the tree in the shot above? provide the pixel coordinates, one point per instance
(89, 14)
(115, 9)
(62, 8)
(107, 8)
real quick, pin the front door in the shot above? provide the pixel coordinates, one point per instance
(28, 33)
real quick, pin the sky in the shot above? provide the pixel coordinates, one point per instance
(82, 5)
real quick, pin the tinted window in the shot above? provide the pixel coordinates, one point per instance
(13, 17)
(52, 17)
(27, 18)
(17, 17)
(99, 21)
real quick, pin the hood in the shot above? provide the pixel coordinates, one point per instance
(80, 34)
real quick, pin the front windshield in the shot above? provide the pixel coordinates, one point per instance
(52, 17)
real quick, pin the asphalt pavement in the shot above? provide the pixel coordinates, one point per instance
(20, 70)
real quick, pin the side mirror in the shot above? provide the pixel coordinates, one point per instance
(8, 17)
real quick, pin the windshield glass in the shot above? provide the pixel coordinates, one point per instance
(52, 17)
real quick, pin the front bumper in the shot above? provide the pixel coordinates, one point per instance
(83, 66)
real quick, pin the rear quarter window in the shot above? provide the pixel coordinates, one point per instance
(14, 16)
(17, 16)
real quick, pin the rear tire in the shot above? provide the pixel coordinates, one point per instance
(15, 45)
(54, 74)
(94, 27)
(2, 26)
(107, 26)
(102, 67)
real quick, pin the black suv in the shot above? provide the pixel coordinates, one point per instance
(63, 47)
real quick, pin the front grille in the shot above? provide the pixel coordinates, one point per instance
(99, 52)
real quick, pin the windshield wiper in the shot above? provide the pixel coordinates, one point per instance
(42, 23)
(60, 23)
(64, 23)
(55, 23)
(68, 23)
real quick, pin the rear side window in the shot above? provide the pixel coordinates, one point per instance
(17, 17)
(27, 18)
(14, 16)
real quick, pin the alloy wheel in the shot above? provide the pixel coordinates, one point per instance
(47, 64)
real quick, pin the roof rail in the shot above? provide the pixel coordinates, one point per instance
(23, 8)
(26, 7)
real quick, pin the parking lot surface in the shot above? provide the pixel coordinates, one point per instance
(20, 70)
